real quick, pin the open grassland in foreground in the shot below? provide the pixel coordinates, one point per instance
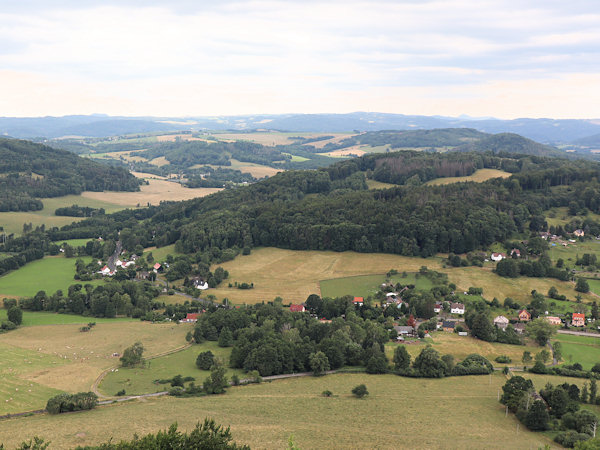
(458, 412)
(48, 274)
(295, 274)
(582, 349)
(33, 318)
(85, 355)
(478, 176)
(462, 346)
(140, 380)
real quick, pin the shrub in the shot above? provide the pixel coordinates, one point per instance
(71, 402)
(132, 356)
(538, 367)
(360, 391)
(205, 360)
(235, 380)
(327, 393)
(15, 315)
(569, 438)
(503, 359)
(121, 393)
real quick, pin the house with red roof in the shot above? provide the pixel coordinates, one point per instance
(297, 308)
(524, 315)
(578, 320)
(157, 267)
(358, 301)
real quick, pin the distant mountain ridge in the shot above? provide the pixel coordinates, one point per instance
(551, 131)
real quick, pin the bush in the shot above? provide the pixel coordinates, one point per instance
(538, 367)
(205, 360)
(121, 393)
(327, 393)
(473, 364)
(72, 402)
(235, 380)
(15, 315)
(132, 356)
(360, 391)
(503, 359)
(7, 325)
(569, 438)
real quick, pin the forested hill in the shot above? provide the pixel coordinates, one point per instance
(510, 143)
(331, 209)
(29, 170)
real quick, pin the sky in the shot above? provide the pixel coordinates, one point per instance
(182, 58)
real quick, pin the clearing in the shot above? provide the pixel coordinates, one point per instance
(478, 176)
(266, 415)
(366, 285)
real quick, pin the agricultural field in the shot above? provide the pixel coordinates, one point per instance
(479, 176)
(72, 360)
(462, 346)
(141, 380)
(75, 242)
(294, 275)
(13, 221)
(34, 318)
(582, 349)
(273, 138)
(373, 184)
(368, 285)
(48, 274)
(266, 415)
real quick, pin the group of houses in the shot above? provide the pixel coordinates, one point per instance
(514, 253)
(524, 316)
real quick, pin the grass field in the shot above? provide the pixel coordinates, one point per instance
(366, 285)
(265, 415)
(462, 346)
(13, 221)
(373, 184)
(83, 356)
(160, 254)
(33, 318)
(48, 274)
(581, 349)
(141, 380)
(478, 176)
(559, 216)
(294, 275)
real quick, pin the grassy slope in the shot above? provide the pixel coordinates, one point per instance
(294, 275)
(85, 355)
(581, 349)
(141, 380)
(366, 285)
(49, 274)
(456, 412)
(34, 318)
(478, 176)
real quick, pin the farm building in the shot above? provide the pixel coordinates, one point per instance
(297, 308)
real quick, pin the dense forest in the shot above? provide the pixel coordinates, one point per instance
(29, 170)
(331, 208)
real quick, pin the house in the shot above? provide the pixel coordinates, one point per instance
(448, 325)
(105, 271)
(457, 308)
(142, 275)
(501, 322)
(524, 315)
(199, 283)
(579, 233)
(519, 327)
(297, 308)
(157, 267)
(358, 301)
(498, 256)
(578, 320)
(437, 308)
(515, 253)
(190, 318)
(554, 320)
(404, 330)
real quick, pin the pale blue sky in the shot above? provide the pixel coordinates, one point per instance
(182, 57)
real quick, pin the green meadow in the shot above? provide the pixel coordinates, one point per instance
(33, 318)
(366, 285)
(48, 274)
(581, 349)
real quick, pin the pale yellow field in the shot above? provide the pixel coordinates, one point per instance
(356, 150)
(398, 413)
(337, 138)
(153, 193)
(479, 176)
(294, 275)
(256, 170)
(173, 137)
(85, 355)
(160, 161)
(270, 138)
(373, 184)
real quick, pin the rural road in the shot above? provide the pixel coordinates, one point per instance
(579, 333)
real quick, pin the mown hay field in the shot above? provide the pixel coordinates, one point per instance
(49, 274)
(84, 356)
(459, 412)
(478, 176)
(581, 349)
(34, 318)
(295, 274)
(141, 380)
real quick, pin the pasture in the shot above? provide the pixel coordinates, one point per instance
(84, 356)
(295, 274)
(33, 318)
(373, 184)
(368, 285)
(13, 221)
(48, 274)
(478, 176)
(579, 349)
(266, 415)
(462, 346)
(140, 380)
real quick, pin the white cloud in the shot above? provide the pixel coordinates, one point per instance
(272, 56)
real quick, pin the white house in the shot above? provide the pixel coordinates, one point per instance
(498, 256)
(438, 308)
(457, 308)
(200, 284)
(501, 322)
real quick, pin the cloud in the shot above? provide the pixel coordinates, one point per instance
(274, 56)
